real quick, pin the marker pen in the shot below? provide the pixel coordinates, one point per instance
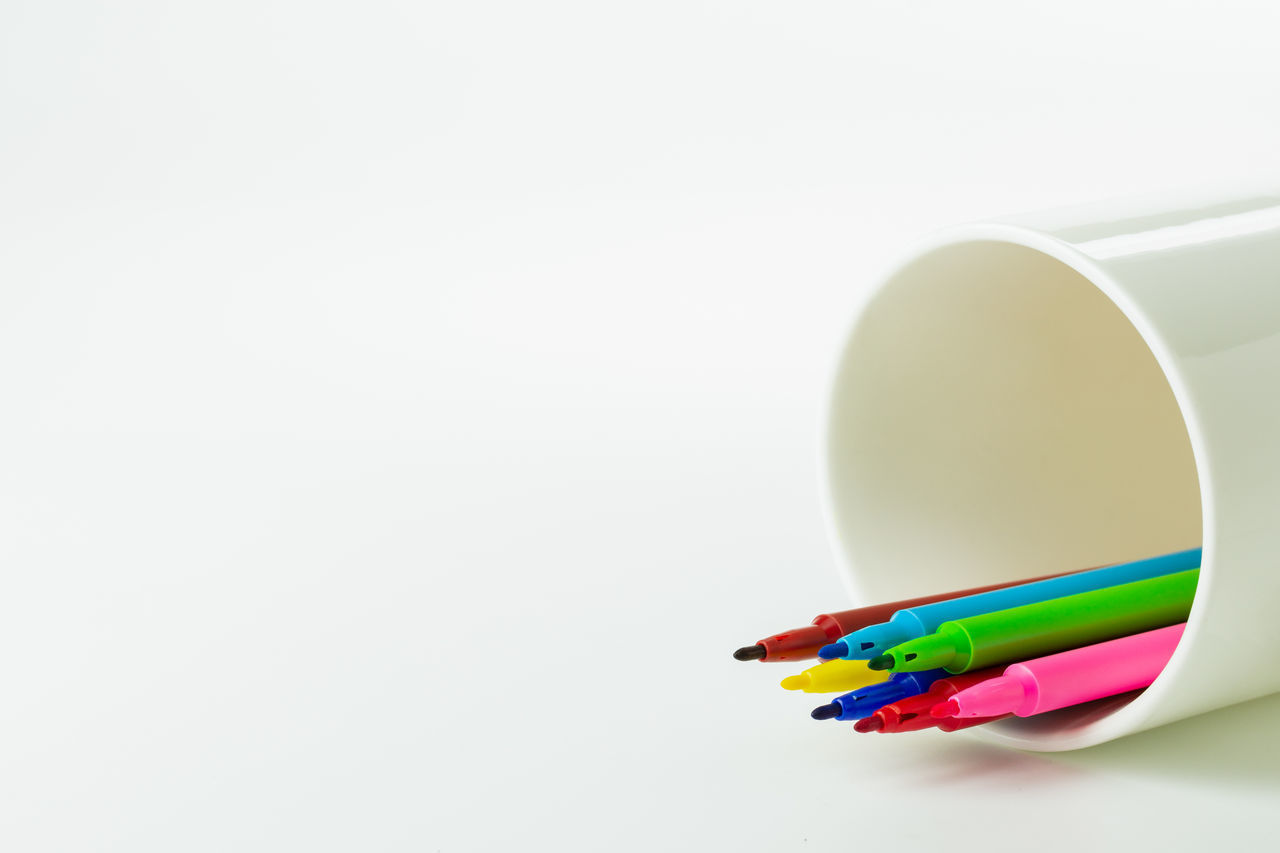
(868, 700)
(955, 724)
(1047, 626)
(834, 676)
(803, 643)
(917, 621)
(884, 723)
(1068, 678)
(912, 713)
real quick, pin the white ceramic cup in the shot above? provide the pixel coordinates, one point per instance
(1066, 389)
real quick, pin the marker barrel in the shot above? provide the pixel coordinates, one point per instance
(1052, 626)
(804, 643)
(1072, 677)
(911, 622)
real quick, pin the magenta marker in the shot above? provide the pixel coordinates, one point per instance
(1068, 678)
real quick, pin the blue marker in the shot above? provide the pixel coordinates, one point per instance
(914, 622)
(867, 700)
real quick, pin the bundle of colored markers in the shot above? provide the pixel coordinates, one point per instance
(960, 659)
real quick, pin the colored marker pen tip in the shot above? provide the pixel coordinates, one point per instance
(932, 651)
(868, 724)
(756, 652)
(945, 709)
(795, 682)
(826, 712)
(880, 662)
(837, 649)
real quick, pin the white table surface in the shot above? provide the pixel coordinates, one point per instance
(409, 407)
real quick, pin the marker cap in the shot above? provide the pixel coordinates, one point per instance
(932, 651)
(835, 676)
(992, 698)
(867, 700)
(799, 644)
(874, 640)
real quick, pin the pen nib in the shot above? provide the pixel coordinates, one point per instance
(835, 650)
(825, 712)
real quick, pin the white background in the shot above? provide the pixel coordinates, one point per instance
(408, 407)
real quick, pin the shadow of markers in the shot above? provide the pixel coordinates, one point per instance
(1239, 745)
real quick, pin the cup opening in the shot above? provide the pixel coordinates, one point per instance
(996, 415)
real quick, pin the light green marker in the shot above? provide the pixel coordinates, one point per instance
(1056, 625)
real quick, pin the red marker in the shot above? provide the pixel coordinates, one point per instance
(955, 724)
(911, 714)
(879, 722)
(803, 643)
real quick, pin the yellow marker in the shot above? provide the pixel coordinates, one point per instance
(834, 676)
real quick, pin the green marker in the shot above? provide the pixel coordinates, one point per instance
(1047, 626)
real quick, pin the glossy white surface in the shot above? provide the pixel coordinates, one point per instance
(345, 349)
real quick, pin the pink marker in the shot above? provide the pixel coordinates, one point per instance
(1068, 678)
